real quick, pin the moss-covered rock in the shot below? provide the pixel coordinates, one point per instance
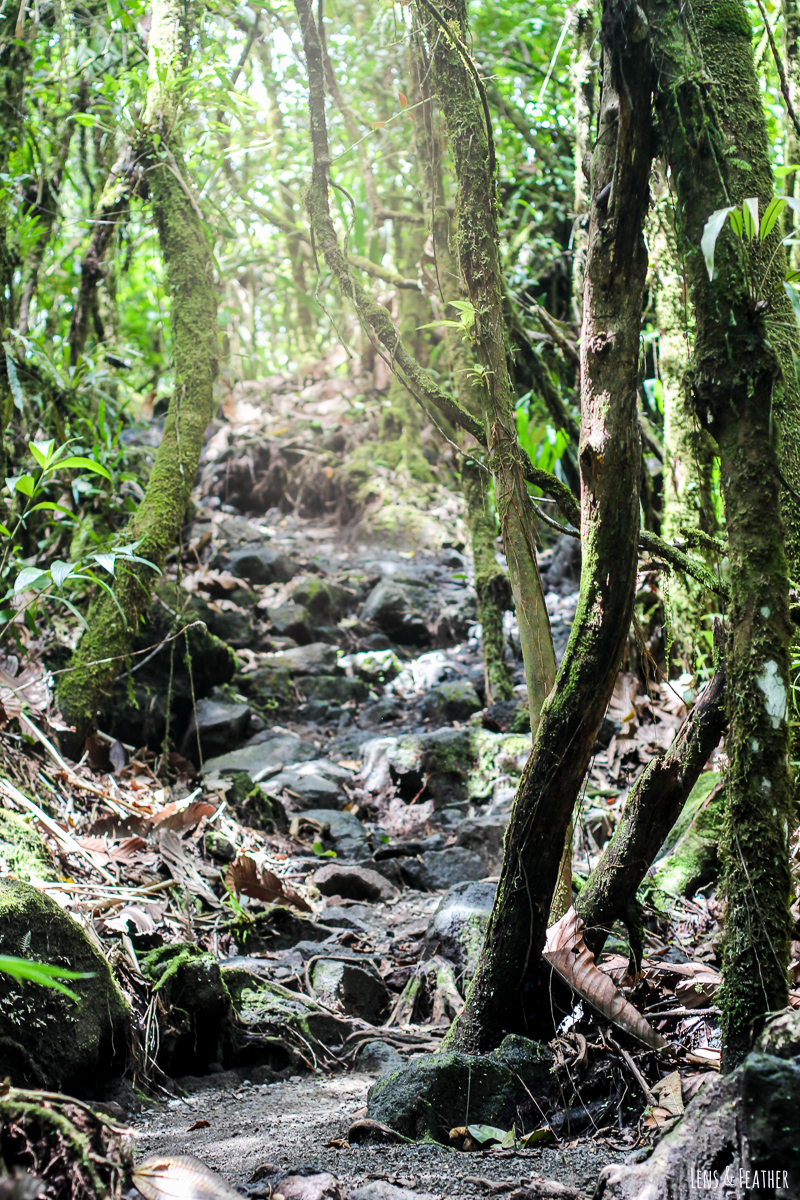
(692, 855)
(252, 806)
(324, 599)
(23, 851)
(454, 701)
(273, 1012)
(436, 1092)
(48, 1040)
(196, 1019)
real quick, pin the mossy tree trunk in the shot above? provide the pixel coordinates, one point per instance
(713, 126)
(13, 61)
(491, 581)
(504, 995)
(583, 76)
(688, 460)
(477, 256)
(185, 250)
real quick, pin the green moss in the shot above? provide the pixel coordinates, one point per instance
(196, 1017)
(23, 850)
(731, 17)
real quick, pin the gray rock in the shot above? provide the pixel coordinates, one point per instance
(260, 564)
(455, 701)
(291, 620)
(234, 626)
(307, 788)
(324, 599)
(344, 918)
(430, 1095)
(740, 1124)
(353, 883)
(376, 666)
(260, 756)
(279, 928)
(317, 658)
(441, 868)
(345, 831)
(380, 1189)
(220, 725)
(377, 1058)
(458, 926)
(359, 990)
(441, 759)
(485, 836)
(397, 608)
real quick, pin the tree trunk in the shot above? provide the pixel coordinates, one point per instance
(184, 247)
(478, 262)
(503, 995)
(688, 460)
(13, 61)
(583, 76)
(653, 806)
(713, 126)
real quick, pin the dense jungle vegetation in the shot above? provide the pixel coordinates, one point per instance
(503, 290)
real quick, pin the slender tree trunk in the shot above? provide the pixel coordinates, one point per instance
(583, 75)
(477, 255)
(688, 461)
(653, 806)
(13, 61)
(156, 525)
(504, 995)
(712, 121)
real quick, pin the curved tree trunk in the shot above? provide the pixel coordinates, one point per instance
(713, 125)
(503, 995)
(156, 525)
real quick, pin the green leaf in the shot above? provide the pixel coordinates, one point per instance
(106, 561)
(773, 210)
(737, 223)
(13, 382)
(538, 1135)
(487, 1133)
(44, 974)
(87, 464)
(21, 483)
(61, 570)
(42, 452)
(750, 215)
(51, 507)
(711, 231)
(31, 577)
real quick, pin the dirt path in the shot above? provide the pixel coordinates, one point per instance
(287, 1125)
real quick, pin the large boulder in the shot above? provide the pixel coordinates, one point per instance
(48, 1039)
(436, 1092)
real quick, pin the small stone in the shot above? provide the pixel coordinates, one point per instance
(457, 927)
(378, 1058)
(455, 701)
(396, 608)
(353, 883)
(261, 755)
(317, 658)
(441, 868)
(220, 724)
(484, 835)
(346, 833)
(260, 564)
(291, 620)
(305, 789)
(218, 847)
(358, 990)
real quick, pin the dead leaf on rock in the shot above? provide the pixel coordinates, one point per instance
(568, 954)
(245, 878)
(199, 1125)
(184, 1177)
(668, 1093)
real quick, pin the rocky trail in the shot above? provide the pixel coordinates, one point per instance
(288, 907)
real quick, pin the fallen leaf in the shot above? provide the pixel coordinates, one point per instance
(199, 1125)
(569, 955)
(668, 1093)
(244, 877)
(183, 1178)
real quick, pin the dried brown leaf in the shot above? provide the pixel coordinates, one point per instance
(244, 877)
(569, 955)
(181, 1178)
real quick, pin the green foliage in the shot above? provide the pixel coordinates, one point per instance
(43, 974)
